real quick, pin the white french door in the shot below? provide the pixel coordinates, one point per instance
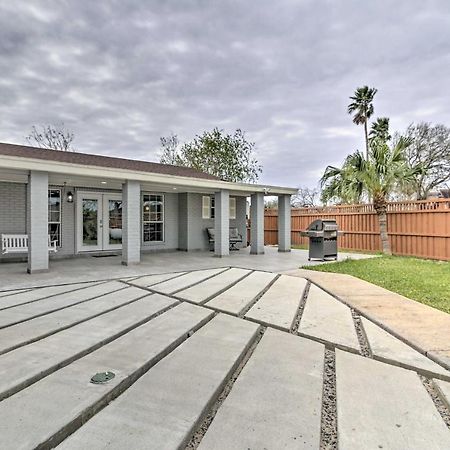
(99, 221)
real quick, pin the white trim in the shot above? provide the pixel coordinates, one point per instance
(21, 163)
(206, 207)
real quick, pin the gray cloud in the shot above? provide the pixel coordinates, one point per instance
(121, 74)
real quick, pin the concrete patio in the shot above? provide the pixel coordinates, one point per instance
(86, 268)
(197, 363)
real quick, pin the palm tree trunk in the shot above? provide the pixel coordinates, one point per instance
(382, 220)
(367, 140)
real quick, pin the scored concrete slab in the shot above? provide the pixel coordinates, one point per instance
(386, 347)
(42, 326)
(383, 406)
(40, 293)
(150, 280)
(56, 404)
(16, 291)
(202, 292)
(443, 388)
(279, 305)
(161, 410)
(276, 401)
(190, 278)
(327, 319)
(237, 297)
(27, 311)
(25, 365)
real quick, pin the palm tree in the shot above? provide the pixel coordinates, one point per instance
(363, 108)
(380, 129)
(376, 177)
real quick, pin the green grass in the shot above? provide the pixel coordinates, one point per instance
(422, 280)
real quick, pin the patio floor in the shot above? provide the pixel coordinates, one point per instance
(86, 268)
(218, 358)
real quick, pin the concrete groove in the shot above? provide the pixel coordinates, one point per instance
(91, 284)
(361, 334)
(96, 346)
(434, 393)
(328, 344)
(301, 308)
(201, 281)
(201, 427)
(66, 327)
(221, 291)
(250, 305)
(175, 275)
(328, 423)
(385, 328)
(56, 309)
(11, 292)
(95, 408)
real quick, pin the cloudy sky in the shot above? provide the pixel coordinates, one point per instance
(120, 74)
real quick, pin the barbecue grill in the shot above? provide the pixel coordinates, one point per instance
(323, 236)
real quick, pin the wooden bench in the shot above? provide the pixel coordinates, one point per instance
(235, 238)
(18, 243)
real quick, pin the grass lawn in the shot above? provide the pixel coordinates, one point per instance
(423, 280)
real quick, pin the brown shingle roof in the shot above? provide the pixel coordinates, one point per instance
(100, 161)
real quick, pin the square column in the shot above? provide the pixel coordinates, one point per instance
(222, 223)
(37, 221)
(257, 224)
(131, 223)
(284, 223)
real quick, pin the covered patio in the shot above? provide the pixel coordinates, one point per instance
(79, 204)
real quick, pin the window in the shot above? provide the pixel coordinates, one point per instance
(208, 208)
(54, 215)
(232, 208)
(153, 217)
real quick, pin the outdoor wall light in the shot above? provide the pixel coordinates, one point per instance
(69, 197)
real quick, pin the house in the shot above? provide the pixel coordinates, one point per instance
(86, 203)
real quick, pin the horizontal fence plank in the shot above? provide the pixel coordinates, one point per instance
(416, 228)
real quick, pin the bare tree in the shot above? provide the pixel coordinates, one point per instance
(54, 137)
(430, 148)
(306, 197)
(170, 147)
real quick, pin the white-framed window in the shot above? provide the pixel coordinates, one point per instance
(54, 215)
(208, 209)
(232, 208)
(153, 217)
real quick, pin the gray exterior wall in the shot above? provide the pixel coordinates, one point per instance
(184, 227)
(192, 227)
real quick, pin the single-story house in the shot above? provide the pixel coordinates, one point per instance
(69, 203)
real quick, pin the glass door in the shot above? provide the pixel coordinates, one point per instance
(90, 222)
(99, 219)
(112, 221)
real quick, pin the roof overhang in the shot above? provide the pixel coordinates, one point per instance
(61, 169)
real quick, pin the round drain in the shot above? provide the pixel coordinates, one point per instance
(102, 377)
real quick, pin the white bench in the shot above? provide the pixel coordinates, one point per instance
(18, 243)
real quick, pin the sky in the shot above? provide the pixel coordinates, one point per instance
(121, 74)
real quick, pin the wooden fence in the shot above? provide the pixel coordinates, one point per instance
(416, 228)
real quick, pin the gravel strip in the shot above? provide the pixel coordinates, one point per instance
(301, 308)
(203, 428)
(440, 406)
(361, 334)
(328, 427)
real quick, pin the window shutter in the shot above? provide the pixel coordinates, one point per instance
(232, 208)
(206, 207)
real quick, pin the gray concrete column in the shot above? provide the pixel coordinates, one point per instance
(257, 224)
(37, 221)
(222, 223)
(131, 223)
(284, 223)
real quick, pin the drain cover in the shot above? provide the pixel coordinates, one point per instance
(102, 377)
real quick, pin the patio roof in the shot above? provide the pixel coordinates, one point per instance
(17, 160)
